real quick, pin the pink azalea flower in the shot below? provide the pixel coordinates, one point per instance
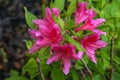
(48, 32)
(65, 53)
(90, 24)
(92, 42)
(81, 12)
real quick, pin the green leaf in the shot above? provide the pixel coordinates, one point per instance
(74, 74)
(57, 74)
(51, 4)
(116, 59)
(58, 4)
(45, 68)
(59, 21)
(28, 43)
(14, 73)
(29, 17)
(71, 7)
(100, 4)
(16, 78)
(44, 53)
(72, 41)
(97, 77)
(81, 0)
(116, 76)
(100, 68)
(69, 23)
(117, 67)
(79, 64)
(105, 57)
(112, 10)
(31, 64)
(30, 67)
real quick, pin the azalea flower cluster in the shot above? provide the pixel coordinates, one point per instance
(48, 33)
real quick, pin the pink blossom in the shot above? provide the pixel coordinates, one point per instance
(65, 53)
(81, 12)
(48, 18)
(92, 42)
(55, 11)
(90, 24)
(48, 32)
(91, 13)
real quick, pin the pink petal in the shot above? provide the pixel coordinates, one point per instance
(55, 11)
(99, 44)
(55, 31)
(42, 43)
(77, 56)
(90, 50)
(80, 54)
(99, 32)
(39, 22)
(91, 13)
(91, 54)
(51, 52)
(92, 58)
(48, 13)
(45, 30)
(49, 16)
(98, 22)
(34, 33)
(54, 58)
(86, 26)
(57, 47)
(66, 63)
(34, 48)
(90, 39)
(90, 24)
(80, 12)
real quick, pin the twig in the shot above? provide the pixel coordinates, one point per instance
(84, 76)
(40, 70)
(111, 57)
(89, 71)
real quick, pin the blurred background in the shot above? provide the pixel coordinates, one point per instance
(13, 32)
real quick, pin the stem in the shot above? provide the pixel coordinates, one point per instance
(40, 70)
(111, 57)
(76, 3)
(44, 2)
(84, 76)
(89, 71)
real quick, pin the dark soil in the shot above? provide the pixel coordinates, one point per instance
(13, 32)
